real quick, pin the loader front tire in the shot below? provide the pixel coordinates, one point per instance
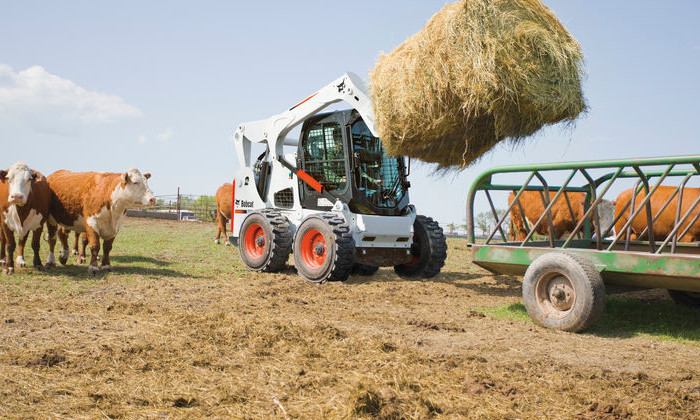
(324, 249)
(429, 250)
(265, 241)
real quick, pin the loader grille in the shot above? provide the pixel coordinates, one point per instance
(284, 199)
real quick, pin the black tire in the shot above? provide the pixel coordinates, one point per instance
(324, 249)
(563, 291)
(363, 269)
(263, 254)
(691, 299)
(429, 250)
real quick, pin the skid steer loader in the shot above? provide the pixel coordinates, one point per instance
(339, 204)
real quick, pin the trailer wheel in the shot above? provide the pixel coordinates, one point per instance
(691, 299)
(265, 241)
(364, 269)
(563, 291)
(429, 250)
(324, 249)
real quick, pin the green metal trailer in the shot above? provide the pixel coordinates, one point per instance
(564, 277)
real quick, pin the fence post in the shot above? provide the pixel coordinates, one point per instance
(178, 204)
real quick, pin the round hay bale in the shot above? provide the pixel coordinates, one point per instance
(479, 72)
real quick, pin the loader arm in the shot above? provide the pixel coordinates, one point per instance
(349, 88)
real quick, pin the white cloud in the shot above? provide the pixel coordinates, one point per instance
(142, 139)
(166, 135)
(50, 103)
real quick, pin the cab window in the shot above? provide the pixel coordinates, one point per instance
(324, 155)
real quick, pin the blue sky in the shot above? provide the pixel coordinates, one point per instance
(162, 85)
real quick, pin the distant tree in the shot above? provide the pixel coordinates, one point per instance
(483, 222)
(486, 222)
(451, 226)
(205, 200)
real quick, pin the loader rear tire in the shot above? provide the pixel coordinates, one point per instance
(324, 249)
(429, 250)
(265, 241)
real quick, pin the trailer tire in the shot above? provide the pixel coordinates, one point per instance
(364, 269)
(691, 299)
(563, 291)
(429, 250)
(265, 242)
(324, 249)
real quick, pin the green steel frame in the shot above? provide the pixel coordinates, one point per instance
(642, 263)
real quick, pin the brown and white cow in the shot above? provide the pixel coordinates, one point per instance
(666, 221)
(224, 198)
(95, 203)
(564, 224)
(24, 206)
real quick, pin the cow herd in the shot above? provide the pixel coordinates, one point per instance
(92, 203)
(569, 208)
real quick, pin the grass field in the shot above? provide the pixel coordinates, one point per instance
(179, 329)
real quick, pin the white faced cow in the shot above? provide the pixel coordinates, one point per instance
(24, 207)
(95, 203)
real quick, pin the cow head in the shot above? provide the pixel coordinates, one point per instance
(133, 191)
(19, 178)
(606, 214)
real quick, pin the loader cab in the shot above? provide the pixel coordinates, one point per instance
(339, 151)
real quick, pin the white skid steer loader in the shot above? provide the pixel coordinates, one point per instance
(339, 204)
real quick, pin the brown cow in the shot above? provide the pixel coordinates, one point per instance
(224, 198)
(95, 203)
(24, 205)
(666, 220)
(531, 202)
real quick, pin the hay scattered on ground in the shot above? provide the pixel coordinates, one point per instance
(481, 71)
(180, 330)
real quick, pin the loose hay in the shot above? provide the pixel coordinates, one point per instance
(481, 71)
(187, 338)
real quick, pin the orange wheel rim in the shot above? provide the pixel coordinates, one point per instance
(313, 249)
(254, 240)
(414, 261)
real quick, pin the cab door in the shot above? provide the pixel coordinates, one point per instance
(322, 155)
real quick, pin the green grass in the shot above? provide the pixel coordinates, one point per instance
(625, 318)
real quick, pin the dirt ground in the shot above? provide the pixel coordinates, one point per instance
(179, 329)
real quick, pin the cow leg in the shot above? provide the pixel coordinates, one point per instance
(51, 259)
(218, 227)
(106, 248)
(9, 261)
(3, 243)
(64, 252)
(94, 240)
(20, 251)
(36, 245)
(74, 250)
(84, 244)
(224, 221)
